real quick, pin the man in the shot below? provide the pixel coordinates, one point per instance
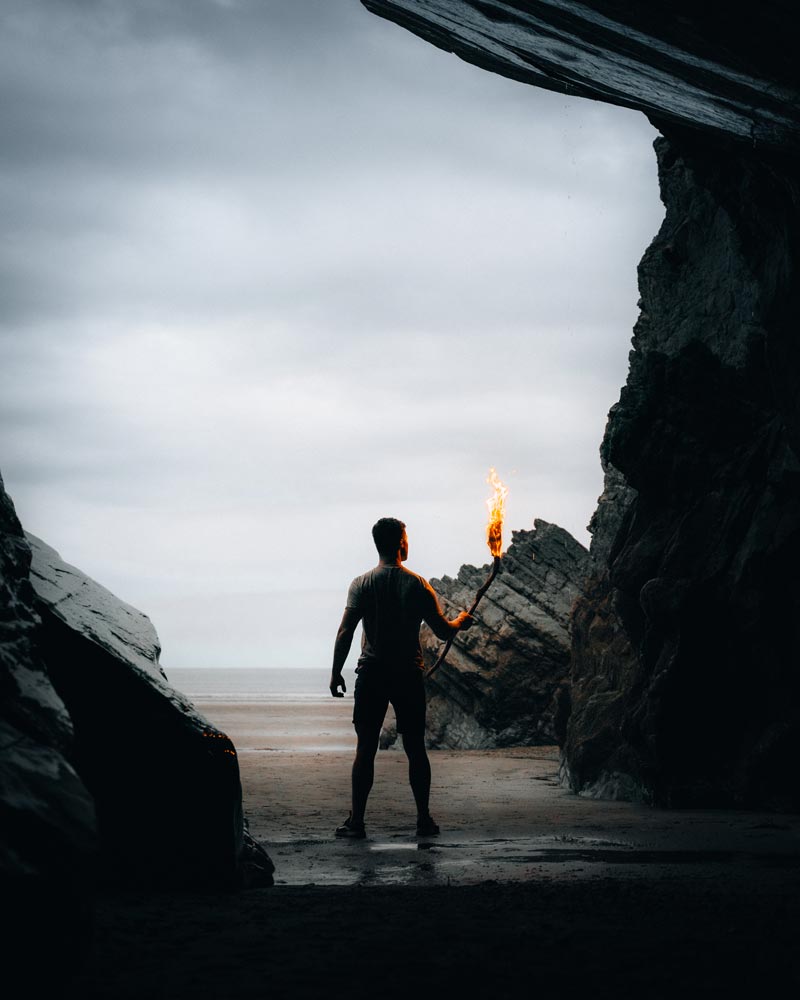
(391, 602)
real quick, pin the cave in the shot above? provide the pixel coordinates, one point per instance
(683, 675)
(684, 667)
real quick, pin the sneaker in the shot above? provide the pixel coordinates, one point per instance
(427, 827)
(351, 830)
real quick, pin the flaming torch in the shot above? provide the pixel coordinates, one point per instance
(494, 538)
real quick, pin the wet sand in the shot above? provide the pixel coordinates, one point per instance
(504, 816)
(528, 886)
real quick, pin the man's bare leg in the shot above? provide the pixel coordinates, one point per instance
(363, 775)
(419, 772)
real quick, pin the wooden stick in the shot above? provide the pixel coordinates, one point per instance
(475, 603)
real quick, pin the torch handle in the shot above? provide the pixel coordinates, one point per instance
(484, 587)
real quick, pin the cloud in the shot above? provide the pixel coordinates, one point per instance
(272, 270)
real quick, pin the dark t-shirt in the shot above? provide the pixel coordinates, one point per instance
(392, 602)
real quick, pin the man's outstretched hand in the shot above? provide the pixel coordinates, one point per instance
(337, 681)
(463, 621)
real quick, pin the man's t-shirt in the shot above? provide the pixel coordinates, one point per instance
(392, 602)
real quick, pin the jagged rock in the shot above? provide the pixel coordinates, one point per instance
(497, 684)
(47, 819)
(685, 681)
(165, 781)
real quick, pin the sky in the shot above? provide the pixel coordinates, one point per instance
(272, 270)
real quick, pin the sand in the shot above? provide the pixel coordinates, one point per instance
(528, 885)
(504, 816)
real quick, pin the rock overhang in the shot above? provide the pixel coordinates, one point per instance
(705, 66)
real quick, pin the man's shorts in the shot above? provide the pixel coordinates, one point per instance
(376, 687)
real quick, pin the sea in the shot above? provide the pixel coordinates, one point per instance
(270, 709)
(252, 684)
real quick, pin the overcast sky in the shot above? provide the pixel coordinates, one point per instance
(272, 269)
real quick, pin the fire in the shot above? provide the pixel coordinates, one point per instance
(496, 504)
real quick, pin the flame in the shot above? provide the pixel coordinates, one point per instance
(496, 504)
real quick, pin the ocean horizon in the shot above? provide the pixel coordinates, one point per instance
(251, 684)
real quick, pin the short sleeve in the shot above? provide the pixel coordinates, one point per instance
(354, 595)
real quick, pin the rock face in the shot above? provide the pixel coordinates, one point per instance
(685, 677)
(496, 688)
(47, 828)
(165, 782)
(694, 599)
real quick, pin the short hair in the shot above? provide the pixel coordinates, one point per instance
(387, 534)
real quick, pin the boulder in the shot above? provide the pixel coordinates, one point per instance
(47, 828)
(164, 780)
(497, 686)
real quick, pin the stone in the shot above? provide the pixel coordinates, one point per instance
(48, 831)
(164, 780)
(684, 680)
(497, 686)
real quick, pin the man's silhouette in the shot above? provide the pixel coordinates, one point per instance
(391, 602)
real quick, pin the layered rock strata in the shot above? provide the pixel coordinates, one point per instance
(685, 679)
(497, 686)
(164, 780)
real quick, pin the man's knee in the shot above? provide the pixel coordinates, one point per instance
(414, 744)
(367, 743)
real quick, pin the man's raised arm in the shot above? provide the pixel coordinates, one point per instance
(441, 627)
(344, 639)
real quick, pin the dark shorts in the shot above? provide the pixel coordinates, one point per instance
(376, 688)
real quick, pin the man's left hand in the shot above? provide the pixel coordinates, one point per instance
(337, 681)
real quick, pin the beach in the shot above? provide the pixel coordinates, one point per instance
(527, 883)
(503, 814)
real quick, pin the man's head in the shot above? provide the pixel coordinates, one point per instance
(389, 536)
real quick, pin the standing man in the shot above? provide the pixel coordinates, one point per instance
(391, 602)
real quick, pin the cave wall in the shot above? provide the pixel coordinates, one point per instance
(684, 671)
(685, 681)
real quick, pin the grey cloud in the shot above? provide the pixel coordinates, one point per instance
(146, 145)
(272, 270)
